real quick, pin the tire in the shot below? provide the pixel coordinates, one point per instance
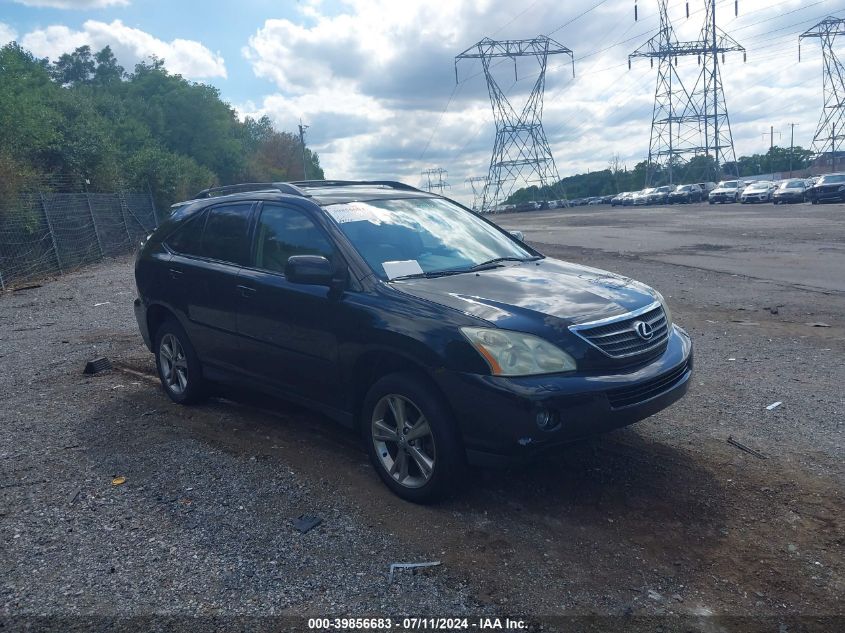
(711, 202)
(399, 462)
(177, 364)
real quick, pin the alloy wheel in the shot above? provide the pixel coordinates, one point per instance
(174, 364)
(403, 441)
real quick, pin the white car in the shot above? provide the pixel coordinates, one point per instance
(760, 191)
(726, 191)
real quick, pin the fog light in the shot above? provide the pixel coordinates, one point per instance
(546, 420)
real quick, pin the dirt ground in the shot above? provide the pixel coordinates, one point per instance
(629, 531)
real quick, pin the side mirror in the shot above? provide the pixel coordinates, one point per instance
(314, 270)
(518, 235)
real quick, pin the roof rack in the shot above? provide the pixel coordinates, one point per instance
(284, 187)
(393, 184)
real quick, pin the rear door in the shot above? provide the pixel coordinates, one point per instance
(204, 274)
(290, 331)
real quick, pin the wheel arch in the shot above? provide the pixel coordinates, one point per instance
(373, 365)
(156, 315)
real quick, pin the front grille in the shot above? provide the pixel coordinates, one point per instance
(618, 338)
(626, 396)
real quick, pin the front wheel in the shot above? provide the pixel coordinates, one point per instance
(411, 438)
(177, 364)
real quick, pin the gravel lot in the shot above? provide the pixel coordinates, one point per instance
(663, 518)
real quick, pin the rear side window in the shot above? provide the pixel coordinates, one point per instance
(226, 234)
(187, 239)
(282, 233)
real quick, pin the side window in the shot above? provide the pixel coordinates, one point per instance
(282, 233)
(187, 238)
(226, 233)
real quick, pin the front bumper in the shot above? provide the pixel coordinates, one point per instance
(755, 197)
(722, 197)
(498, 415)
(788, 197)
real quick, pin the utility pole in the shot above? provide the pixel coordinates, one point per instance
(833, 87)
(521, 152)
(302, 129)
(791, 145)
(771, 147)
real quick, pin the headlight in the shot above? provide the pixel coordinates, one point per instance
(665, 310)
(516, 354)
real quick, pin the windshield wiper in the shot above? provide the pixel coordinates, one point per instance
(490, 263)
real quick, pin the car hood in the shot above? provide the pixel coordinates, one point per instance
(724, 190)
(790, 190)
(548, 292)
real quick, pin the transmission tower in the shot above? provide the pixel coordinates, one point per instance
(831, 128)
(712, 107)
(675, 129)
(477, 184)
(685, 122)
(521, 153)
(435, 178)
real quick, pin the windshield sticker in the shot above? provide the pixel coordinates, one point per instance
(402, 268)
(353, 212)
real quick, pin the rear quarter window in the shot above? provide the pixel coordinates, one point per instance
(187, 239)
(226, 234)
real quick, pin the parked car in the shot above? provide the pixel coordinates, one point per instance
(619, 199)
(641, 197)
(439, 336)
(760, 191)
(661, 194)
(685, 194)
(828, 188)
(726, 191)
(791, 190)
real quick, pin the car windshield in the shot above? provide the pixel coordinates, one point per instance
(422, 236)
(730, 184)
(792, 184)
(833, 179)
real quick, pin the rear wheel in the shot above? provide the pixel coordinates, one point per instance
(411, 438)
(177, 364)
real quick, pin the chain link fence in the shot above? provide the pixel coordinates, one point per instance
(50, 233)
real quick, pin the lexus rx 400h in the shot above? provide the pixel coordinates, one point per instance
(442, 338)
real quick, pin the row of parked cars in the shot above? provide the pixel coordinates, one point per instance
(827, 188)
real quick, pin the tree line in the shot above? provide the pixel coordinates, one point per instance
(83, 116)
(616, 179)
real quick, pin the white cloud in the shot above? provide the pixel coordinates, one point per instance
(373, 77)
(185, 57)
(7, 34)
(74, 4)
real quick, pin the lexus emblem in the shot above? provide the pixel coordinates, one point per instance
(643, 330)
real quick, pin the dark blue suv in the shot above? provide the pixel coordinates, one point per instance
(444, 339)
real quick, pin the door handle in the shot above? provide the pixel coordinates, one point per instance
(175, 273)
(246, 291)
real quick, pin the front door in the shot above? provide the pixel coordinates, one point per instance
(290, 330)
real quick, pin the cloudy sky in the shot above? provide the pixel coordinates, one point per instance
(375, 79)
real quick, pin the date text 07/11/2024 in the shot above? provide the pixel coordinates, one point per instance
(416, 624)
